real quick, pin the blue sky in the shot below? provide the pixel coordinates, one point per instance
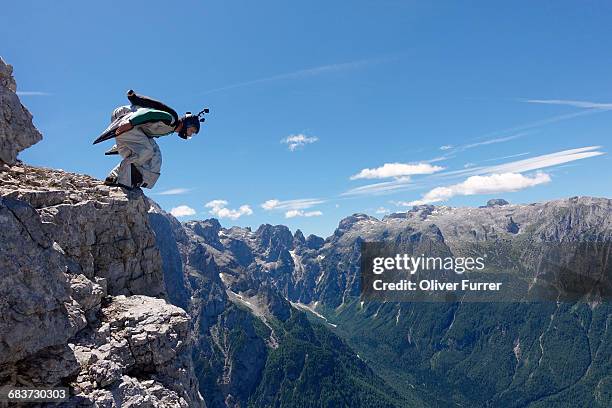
(315, 104)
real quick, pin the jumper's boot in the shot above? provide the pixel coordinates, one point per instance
(112, 182)
(113, 150)
(125, 175)
(136, 177)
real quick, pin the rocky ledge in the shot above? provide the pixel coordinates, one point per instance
(79, 263)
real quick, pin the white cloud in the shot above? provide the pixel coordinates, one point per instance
(295, 142)
(519, 166)
(577, 104)
(494, 183)
(382, 210)
(446, 147)
(174, 191)
(396, 170)
(302, 213)
(32, 93)
(298, 204)
(219, 209)
(182, 211)
(270, 204)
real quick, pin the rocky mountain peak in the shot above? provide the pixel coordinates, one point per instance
(348, 222)
(314, 241)
(298, 238)
(207, 229)
(17, 132)
(422, 211)
(274, 236)
(397, 215)
(495, 202)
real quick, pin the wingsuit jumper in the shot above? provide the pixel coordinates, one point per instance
(134, 128)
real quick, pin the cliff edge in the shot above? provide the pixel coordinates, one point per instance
(82, 295)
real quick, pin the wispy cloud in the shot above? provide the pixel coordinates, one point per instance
(174, 191)
(385, 187)
(297, 204)
(182, 211)
(219, 208)
(547, 121)
(302, 213)
(32, 93)
(295, 142)
(546, 160)
(497, 136)
(388, 170)
(532, 163)
(494, 183)
(303, 73)
(569, 102)
(454, 150)
(589, 108)
(507, 157)
(439, 159)
(491, 141)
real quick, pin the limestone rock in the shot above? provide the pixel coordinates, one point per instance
(34, 288)
(105, 230)
(76, 259)
(16, 129)
(140, 353)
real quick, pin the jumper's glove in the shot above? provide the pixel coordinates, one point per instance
(123, 128)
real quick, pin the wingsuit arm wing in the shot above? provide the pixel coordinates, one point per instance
(151, 115)
(141, 116)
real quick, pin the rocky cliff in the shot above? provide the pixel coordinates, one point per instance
(16, 129)
(82, 295)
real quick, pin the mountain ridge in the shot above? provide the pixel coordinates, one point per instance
(428, 346)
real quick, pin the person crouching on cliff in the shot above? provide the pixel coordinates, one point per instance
(134, 128)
